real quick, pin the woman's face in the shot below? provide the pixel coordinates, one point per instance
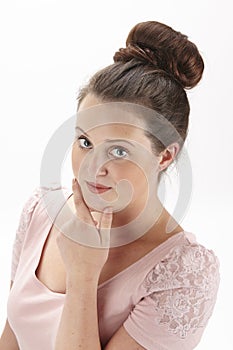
(118, 156)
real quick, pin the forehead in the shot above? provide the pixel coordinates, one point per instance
(110, 120)
(89, 100)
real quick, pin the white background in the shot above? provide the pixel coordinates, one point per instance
(50, 48)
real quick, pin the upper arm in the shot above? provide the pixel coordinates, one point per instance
(8, 339)
(24, 221)
(176, 307)
(122, 340)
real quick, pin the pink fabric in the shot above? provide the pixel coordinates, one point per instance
(163, 300)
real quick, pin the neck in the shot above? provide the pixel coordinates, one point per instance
(135, 222)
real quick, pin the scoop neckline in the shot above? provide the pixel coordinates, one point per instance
(68, 194)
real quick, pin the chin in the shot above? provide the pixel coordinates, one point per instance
(97, 202)
(92, 202)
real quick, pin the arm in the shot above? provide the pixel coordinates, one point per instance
(79, 322)
(122, 340)
(8, 340)
(172, 318)
(78, 328)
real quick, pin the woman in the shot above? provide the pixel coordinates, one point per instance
(114, 270)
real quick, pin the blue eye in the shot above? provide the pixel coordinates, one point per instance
(119, 153)
(85, 140)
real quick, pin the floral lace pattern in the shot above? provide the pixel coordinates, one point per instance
(28, 210)
(183, 288)
(25, 218)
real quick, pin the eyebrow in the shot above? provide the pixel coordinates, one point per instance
(77, 127)
(107, 140)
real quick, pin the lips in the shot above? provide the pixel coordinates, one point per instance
(97, 188)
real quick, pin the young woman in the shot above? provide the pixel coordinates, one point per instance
(114, 270)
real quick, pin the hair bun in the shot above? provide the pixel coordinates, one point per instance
(162, 47)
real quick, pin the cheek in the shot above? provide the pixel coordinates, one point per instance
(143, 179)
(134, 174)
(140, 181)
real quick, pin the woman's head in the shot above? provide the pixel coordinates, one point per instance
(111, 150)
(154, 69)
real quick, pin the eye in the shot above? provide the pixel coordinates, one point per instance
(83, 141)
(120, 152)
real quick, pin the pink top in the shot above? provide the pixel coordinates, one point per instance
(163, 300)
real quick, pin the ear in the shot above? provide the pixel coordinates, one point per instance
(168, 155)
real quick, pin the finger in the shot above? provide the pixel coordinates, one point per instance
(105, 227)
(96, 216)
(81, 209)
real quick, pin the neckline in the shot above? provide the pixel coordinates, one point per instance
(68, 194)
(169, 242)
(48, 230)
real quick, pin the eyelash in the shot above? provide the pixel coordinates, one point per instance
(118, 147)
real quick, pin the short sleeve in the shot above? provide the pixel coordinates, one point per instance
(180, 294)
(24, 221)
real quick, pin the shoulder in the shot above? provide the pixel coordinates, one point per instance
(178, 297)
(29, 207)
(38, 192)
(39, 195)
(188, 264)
(42, 192)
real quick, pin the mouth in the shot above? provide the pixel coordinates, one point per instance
(97, 188)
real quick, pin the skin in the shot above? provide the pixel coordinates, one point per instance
(119, 168)
(88, 266)
(8, 340)
(111, 173)
(84, 264)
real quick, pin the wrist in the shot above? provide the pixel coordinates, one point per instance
(76, 279)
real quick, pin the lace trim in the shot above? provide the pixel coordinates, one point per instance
(28, 210)
(183, 287)
(24, 220)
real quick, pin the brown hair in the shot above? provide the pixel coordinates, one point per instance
(154, 69)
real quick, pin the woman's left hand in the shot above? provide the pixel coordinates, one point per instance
(90, 257)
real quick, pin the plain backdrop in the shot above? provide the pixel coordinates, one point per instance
(50, 48)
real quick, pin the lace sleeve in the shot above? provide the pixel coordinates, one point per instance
(180, 294)
(25, 218)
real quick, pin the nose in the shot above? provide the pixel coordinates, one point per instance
(97, 164)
